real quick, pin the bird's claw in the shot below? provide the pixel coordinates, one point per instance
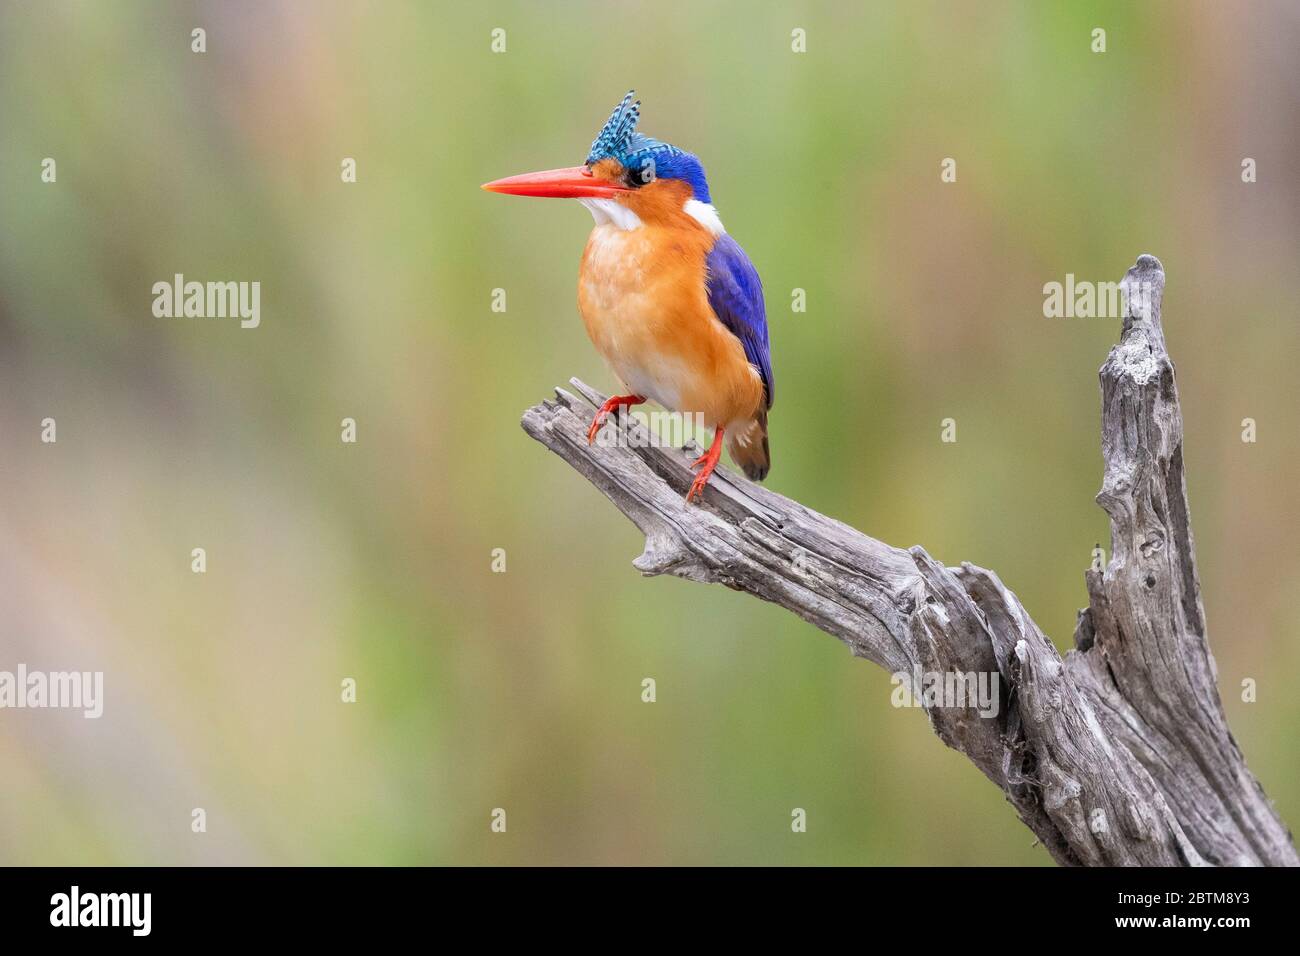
(710, 461)
(610, 404)
(697, 486)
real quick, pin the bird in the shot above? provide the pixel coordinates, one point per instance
(670, 301)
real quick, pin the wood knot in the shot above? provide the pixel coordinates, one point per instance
(1154, 544)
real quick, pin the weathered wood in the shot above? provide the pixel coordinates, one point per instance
(1117, 755)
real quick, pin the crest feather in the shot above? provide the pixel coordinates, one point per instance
(619, 140)
(614, 136)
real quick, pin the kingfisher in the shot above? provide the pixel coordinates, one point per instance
(670, 301)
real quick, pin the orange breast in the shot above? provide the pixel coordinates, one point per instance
(643, 298)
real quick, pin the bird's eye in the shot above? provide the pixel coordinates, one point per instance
(641, 174)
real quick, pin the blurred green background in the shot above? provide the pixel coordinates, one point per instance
(373, 561)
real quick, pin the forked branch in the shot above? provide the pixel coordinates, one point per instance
(1119, 753)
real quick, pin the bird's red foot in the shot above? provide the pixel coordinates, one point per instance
(610, 405)
(710, 461)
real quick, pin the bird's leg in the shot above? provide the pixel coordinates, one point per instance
(610, 405)
(710, 461)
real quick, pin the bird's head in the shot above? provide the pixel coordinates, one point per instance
(624, 168)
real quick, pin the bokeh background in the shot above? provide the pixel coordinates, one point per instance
(521, 690)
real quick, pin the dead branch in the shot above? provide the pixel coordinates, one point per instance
(1119, 753)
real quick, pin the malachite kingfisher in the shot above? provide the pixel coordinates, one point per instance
(670, 301)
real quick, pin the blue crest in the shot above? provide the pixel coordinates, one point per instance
(645, 159)
(614, 139)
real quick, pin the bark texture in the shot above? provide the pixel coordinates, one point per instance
(1118, 754)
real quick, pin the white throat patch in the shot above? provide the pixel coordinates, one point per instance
(610, 212)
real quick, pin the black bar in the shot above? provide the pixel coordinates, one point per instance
(369, 905)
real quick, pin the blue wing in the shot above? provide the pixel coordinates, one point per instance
(736, 295)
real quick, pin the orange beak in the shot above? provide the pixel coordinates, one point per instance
(574, 182)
